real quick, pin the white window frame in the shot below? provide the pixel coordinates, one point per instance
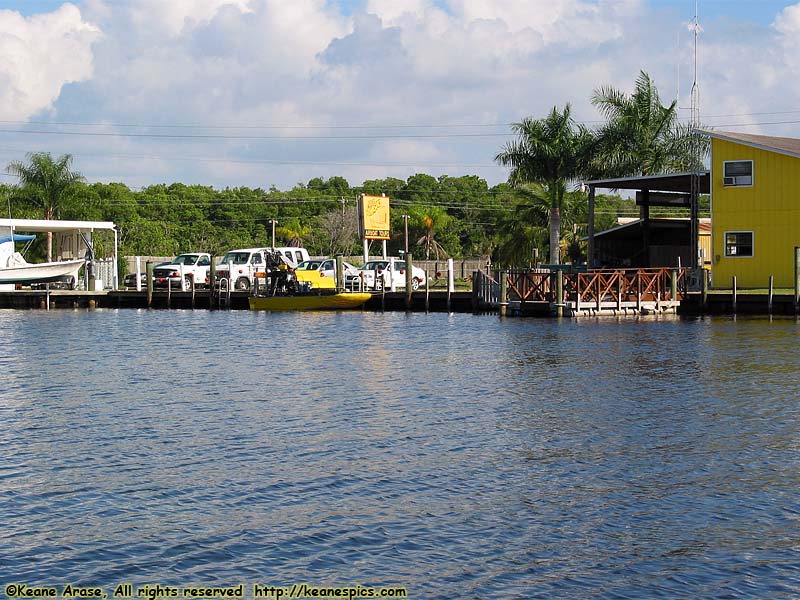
(752, 174)
(752, 244)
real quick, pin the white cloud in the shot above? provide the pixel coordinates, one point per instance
(253, 63)
(41, 54)
(393, 12)
(170, 17)
(788, 20)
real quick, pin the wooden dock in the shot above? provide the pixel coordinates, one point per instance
(434, 300)
(596, 292)
(514, 292)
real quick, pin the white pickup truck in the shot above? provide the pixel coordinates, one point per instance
(193, 267)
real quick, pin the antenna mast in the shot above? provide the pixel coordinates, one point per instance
(695, 98)
(694, 194)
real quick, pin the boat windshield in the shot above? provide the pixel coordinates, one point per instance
(375, 265)
(185, 259)
(237, 258)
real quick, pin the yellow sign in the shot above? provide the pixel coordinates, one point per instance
(374, 221)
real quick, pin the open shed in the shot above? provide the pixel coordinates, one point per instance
(71, 239)
(650, 243)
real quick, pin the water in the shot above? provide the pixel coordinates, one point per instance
(456, 456)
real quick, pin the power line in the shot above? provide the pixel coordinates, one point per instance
(271, 161)
(215, 126)
(247, 127)
(250, 137)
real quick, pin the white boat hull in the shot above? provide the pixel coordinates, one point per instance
(40, 272)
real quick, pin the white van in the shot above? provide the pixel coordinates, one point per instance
(295, 255)
(248, 263)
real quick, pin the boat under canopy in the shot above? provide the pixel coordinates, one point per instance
(72, 243)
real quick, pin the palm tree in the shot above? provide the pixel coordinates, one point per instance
(523, 231)
(642, 136)
(48, 182)
(428, 220)
(552, 151)
(294, 232)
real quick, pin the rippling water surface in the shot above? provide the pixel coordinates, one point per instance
(457, 456)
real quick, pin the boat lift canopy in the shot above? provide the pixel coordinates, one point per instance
(17, 237)
(71, 233)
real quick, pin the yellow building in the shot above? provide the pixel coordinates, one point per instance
(755, 209)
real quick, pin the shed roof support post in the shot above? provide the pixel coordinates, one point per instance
(590, 249)
(695, 223)
(116, 260)
(644, 215)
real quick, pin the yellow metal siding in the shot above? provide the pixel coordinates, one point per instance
(770, 208)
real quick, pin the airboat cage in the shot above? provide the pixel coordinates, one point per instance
(73, 240)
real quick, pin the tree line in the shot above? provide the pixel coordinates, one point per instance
(515, 223)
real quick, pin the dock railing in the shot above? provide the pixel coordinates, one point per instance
(485, 291)
(589, 291)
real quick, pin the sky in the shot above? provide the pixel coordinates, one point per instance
(263, 93)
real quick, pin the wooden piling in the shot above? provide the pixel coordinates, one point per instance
(796, 279)
(503, 293)
(598, 292)
(450, 281)
(339, 273)
(149, 269)
(769, 295)
(673, 289)
(212, 280)
(427, 294)
(639, 292)
(559, 294)
(733, 291)
(409, 279)
(475, 291)
(704, 288)
(169, 292)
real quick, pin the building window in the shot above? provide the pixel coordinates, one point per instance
(737, 173)
(738, 243)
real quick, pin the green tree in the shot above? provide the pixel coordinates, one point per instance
(294, 233)
(47, 182)
(429, 221)
(642, 136)
(552, 151)
(523, 230)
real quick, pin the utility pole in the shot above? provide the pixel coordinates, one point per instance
(405, 225)
(273, 221)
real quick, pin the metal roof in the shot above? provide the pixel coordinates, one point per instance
(781, 145)
(43, 225)
(672, 182)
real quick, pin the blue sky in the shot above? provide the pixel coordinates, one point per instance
(757, 11)
(269, 92)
